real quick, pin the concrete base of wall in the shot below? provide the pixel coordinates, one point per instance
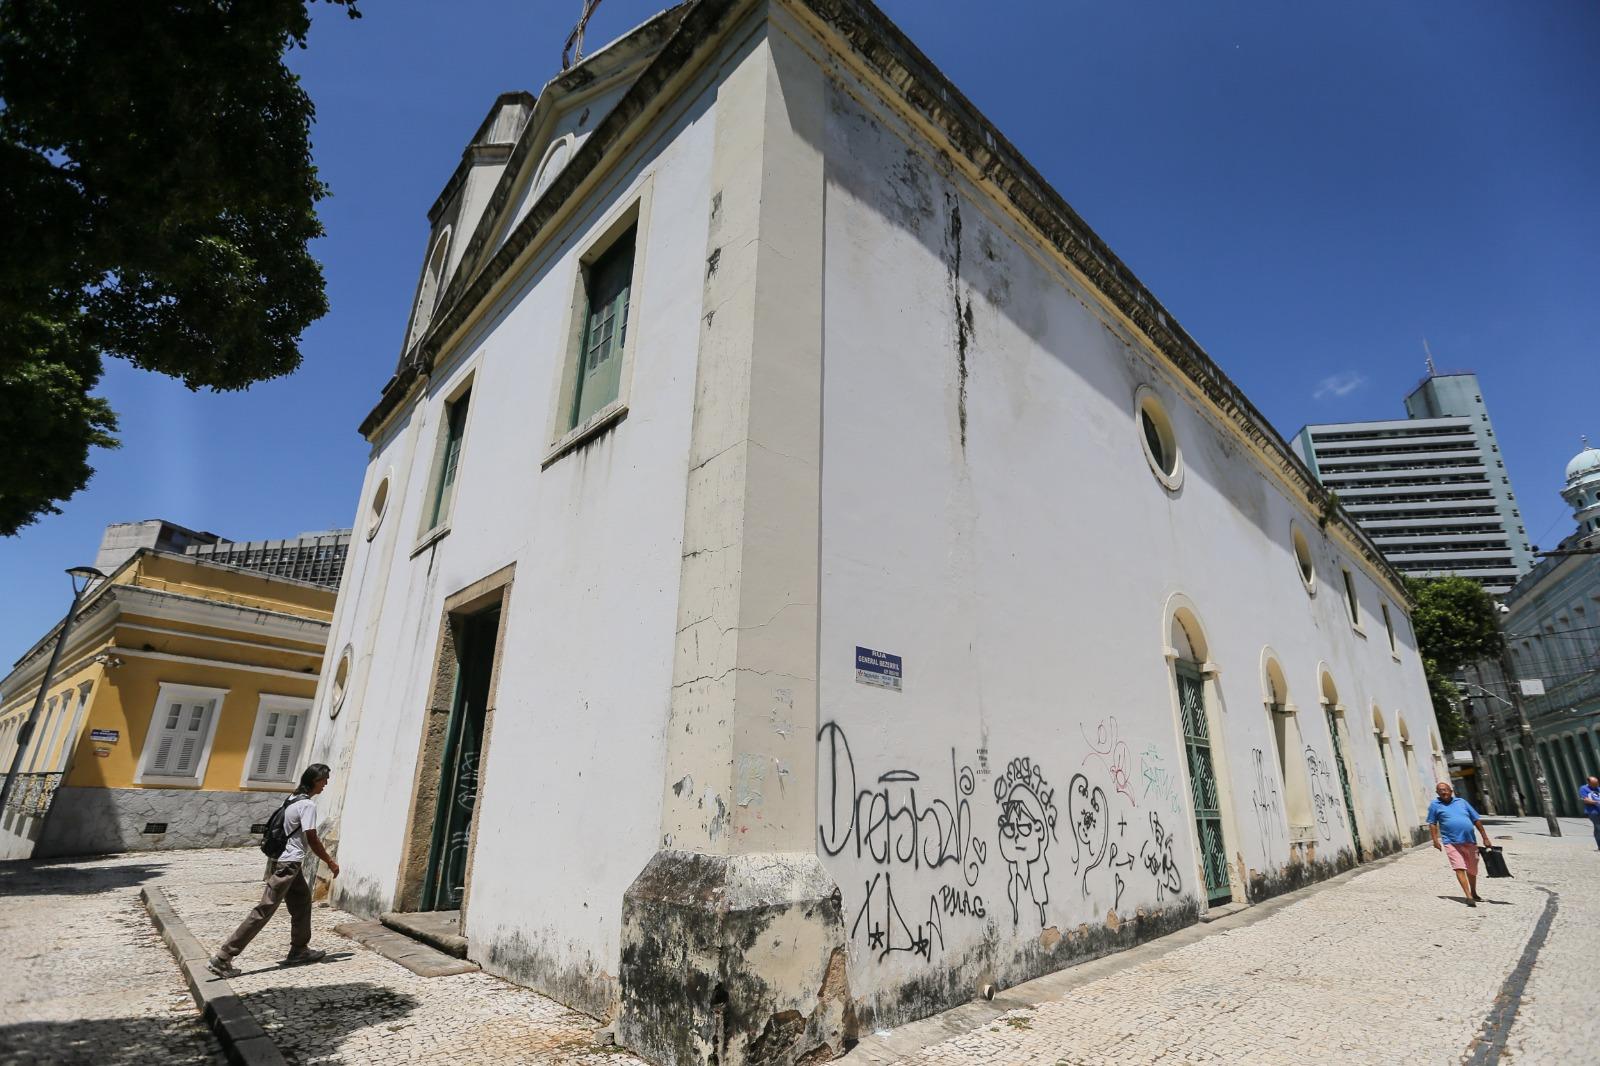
(19, 835)
(96, 821)
(734, 960)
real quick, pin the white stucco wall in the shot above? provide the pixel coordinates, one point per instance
(1026, 577)
(987, 513)
(568, 811)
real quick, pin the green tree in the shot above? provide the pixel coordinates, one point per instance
(157, 198)
(1456, 624)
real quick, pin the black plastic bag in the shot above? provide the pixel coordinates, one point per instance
(1494, 862)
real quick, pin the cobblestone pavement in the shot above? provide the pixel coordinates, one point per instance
(359, 1007)
(1387, 966)
(84, 978)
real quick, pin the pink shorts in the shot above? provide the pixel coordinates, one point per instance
(1462, 857)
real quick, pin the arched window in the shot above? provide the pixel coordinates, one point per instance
(1189, 652)
(1333, 714)
(1413, 782)
(428, 291)
(1380, 734)
(1289, 749)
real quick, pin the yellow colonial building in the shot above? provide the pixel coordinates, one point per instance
(182, 699)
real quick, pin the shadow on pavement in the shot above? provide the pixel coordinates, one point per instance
(1463, 900)
(109, 1042)
(274, 967)
(314, 1020)
(66, 877)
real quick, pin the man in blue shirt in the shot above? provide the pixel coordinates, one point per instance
(1589, 796)
(1451, 820)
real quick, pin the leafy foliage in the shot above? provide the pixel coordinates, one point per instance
(1456, 624)
(157, 200)
(1455, 621)
(1453, 730)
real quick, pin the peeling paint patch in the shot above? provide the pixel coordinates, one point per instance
(683, 786)
(718, 823)
(712, 262)
(749, 779)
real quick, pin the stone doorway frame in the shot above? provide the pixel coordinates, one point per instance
(484, 594)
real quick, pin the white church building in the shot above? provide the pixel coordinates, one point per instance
(803, 577)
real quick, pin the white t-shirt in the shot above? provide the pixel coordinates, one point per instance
(300, 816)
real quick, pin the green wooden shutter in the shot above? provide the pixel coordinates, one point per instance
(1203, 783)
(450, 460)
(605, 330)
(1344, 778)
(1388, 788)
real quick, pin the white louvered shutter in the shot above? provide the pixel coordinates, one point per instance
(277, 747)
(165, 740)
(180, 738)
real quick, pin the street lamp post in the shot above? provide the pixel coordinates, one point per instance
(82, 577)
(1541, 784)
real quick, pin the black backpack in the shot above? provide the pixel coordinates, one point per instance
(273, 838)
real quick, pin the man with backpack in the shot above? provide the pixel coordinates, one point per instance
(290, 833)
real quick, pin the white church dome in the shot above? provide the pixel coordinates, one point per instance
(1583, 464)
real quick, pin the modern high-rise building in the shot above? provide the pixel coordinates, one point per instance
(1430, 489)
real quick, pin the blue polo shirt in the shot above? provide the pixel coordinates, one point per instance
(1454, 819)
(1584, 792)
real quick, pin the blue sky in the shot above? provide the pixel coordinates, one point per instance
(1311, 189)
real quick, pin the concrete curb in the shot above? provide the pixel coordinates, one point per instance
(245, 1042)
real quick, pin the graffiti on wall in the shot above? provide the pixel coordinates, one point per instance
(1161, 785)
(889, 823)
(925, 853)
(1325, 804)
(1264, 799)
(1026, 825)
(1112, 750)
(885, 928)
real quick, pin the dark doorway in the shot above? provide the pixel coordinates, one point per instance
(451, 844)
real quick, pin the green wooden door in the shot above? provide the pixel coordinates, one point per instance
(1203, 783)
(458, 774)
(1344, 778)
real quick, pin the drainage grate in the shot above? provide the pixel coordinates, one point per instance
(155, 828)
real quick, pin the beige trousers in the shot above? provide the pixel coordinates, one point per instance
(283, 882)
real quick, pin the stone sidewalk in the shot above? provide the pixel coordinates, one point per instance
(359, 1007)
(95, 984)
(1386, 966)
(85, 978)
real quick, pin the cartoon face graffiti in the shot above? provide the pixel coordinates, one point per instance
(1027, 824)
(1022, 832)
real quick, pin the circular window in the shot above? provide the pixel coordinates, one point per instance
(341, 682)
(1157, 438)
(1302, 558)
(380, 506)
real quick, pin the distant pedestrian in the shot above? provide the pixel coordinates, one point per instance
(1590, 795)
(1451, 820)
(284, 881)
